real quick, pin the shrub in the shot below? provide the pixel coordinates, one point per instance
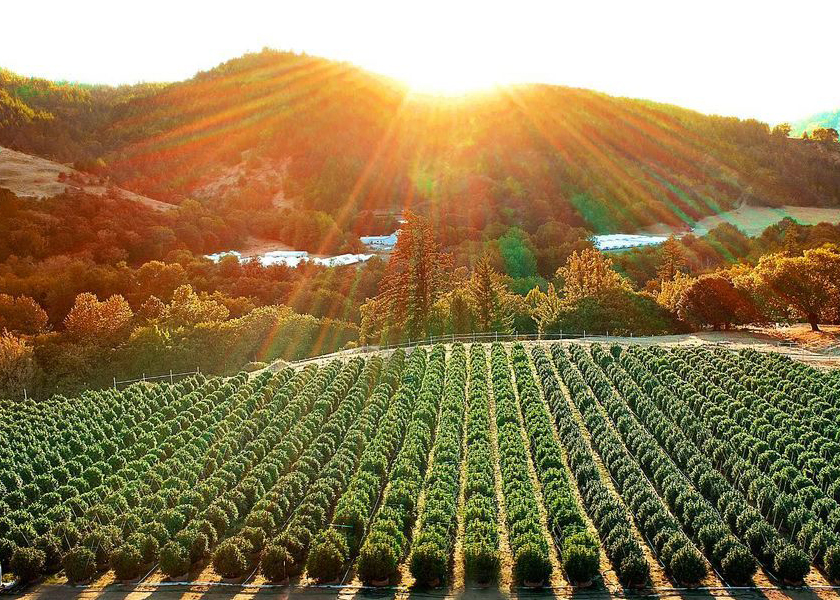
(255, 538)
(428, 564)
(229, 560)
(688, 565)
(277, 563)
(481, 563)
(791, 564)
(79, 564)
(174, 559)
(581, 562)
(634, 570)
(147, 545)
(326, 562)
(51, 546)
(27, 563)
(126, 562)
(531, 563)
(196, 544)
(7, 548)
(377, 562)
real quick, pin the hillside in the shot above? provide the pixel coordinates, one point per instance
(29, 176)
(346, 141)
(580, 468)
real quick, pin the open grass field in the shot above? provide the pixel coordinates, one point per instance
(451, 471)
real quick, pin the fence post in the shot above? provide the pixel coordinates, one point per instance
(144, 378)
(115, 383)
(170, 377)
(25, 396)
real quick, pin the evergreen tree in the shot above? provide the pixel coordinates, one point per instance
(489, 298)
(673, 260)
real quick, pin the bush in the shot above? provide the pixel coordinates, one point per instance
(27, 563)
(634, 570)
(126, 562)
(791, 564)
(174, 559)
(51, 546)
(581, 562)
(377, 562)
(428, 564)
(688, 566)
(7, 548)
(531, 564)
(79, 564)
(229, 560)
(832, 563)
(147, 545)
(481, 563)
(196, 544)
(277, 563)
(326, 561)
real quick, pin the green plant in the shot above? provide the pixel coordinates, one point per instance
(687, 565)
(377, 562)
(580, 562)
(277, 563)
(326, 561)
(229, 560)
(530, 563)
(174, 559)
(126, 562)
(791, 564)
(79, 564)
(27, 563)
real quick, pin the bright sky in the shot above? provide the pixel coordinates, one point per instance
(775, 61)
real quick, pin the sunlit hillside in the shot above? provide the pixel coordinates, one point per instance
(352, 140)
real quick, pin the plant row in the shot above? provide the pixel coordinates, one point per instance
(611, 517)
(578, 547)
(388, 539)
(431, 551)
(481, 532)
(531, 562)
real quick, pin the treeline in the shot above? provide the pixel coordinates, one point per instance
(421, 295)
(103, 340)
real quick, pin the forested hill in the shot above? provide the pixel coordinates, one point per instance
(346, 140)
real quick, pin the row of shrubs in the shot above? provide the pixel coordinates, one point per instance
(137, 499)
(355, 507)
(578, 547)
(719, 470)
(800, 381)
(778, 487)
(277, 483)
(697, 517)
(531, 562)
(611, 517)
(287, 553)
(800, 431)
(738, 517)
(387, 542)
(431, 551)
(481, 515)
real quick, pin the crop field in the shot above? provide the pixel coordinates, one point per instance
(452, 467)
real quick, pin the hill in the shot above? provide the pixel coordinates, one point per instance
(348, 141)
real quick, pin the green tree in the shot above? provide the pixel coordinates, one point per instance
(807, 285)
(673, 259)
(489, 298)
(589, 273)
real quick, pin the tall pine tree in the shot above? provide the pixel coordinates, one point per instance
(490, 299)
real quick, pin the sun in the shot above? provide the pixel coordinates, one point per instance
(447, 76)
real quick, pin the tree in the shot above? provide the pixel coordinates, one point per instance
(489, 298)
(17, 365)
(807, 285)
(416, 276)
(782, 130)
(91, 321)
(714, 300)
(589, 273)
(826, 135)
(189, 309)
(545, 306)
(672, 291)
(22, 315)
(673, 259)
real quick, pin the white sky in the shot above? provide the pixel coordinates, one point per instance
(775, 61)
